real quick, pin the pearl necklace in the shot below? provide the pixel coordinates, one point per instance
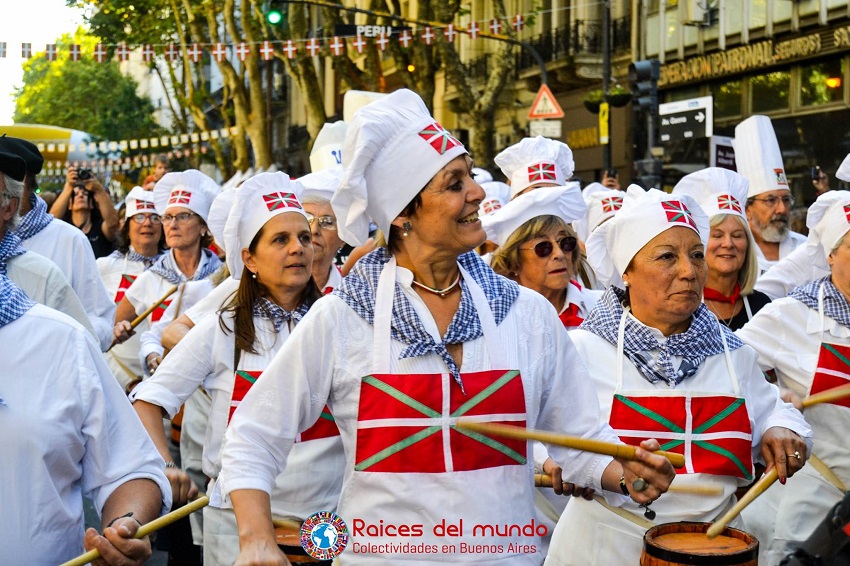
(441, 292)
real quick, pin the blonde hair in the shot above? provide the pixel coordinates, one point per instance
(749, 272)
(507, 260)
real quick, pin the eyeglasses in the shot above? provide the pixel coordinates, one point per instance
(326, 222)
(546, 247)
(772, 201)
(141, 217)
(179, 218)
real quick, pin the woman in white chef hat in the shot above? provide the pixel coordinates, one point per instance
(534, 163)
(270, 252)
(602, 204)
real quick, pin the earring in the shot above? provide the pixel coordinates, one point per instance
(253, 275)
(407, 227)
(626, 284)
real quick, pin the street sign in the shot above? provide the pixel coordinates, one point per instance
(545, 105)
(344, 30)
(603, 123)
(686, 119)
(722, 153)
(546, 128)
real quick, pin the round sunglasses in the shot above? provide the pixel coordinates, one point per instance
(546, 247)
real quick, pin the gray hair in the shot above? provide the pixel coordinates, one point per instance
(314, 199)
(11, 189)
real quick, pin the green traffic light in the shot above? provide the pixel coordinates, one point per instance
(274, 17)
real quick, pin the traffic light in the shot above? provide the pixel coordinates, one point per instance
(644, 76)
(274, 11)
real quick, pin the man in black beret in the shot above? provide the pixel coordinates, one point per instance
(31, 156)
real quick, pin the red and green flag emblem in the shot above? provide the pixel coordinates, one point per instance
(678, 213)
(160, 310)
(728, 202)
(440, 139)
(833, 370)
(612, 204)
(276, 201)
(123, 285)
(179, 196)
(712, 432)
(406, 422)
(541, 172)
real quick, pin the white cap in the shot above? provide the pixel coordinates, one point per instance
(187, 189)
(533, 161)
(138, 200)
(322, 184)
(354, 100)
(758, 157)
(481, 176)
(258, 200)
(392, 150)
(716, 190)
(564, 202)
(497, 195)
(843, 172)
(828, 219)
(217, 218)
(327, 149)
(645, 214)
(602, 203)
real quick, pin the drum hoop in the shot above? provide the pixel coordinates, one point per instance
(679, 556)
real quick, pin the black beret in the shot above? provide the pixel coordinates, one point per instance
(24, 149)
(12, 165)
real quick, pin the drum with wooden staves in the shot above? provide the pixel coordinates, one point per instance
(289, 542)
(686, 544)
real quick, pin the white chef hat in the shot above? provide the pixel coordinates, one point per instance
(322, 184)
(481, 175)
(717, 190)
(564, 202)
(327, 149)
(828, 219)
(497, 195)
(217, 218)
(645, 214)
(843, 172)
(392, 150)
(186, 189)
(533, 161)
(602, 203)
(758, 157)
(138, 200)
(258, 200)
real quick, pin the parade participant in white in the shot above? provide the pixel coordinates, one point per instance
(536, 162)
(319, 188)
(730, 253)
(61, 243)
(664, 367)
(327, 149)
(271, 254)
(769, 199)
(386, 349)
(805, 337)
(602, 204)
(66, 430)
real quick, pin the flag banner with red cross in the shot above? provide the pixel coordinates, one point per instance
(833, 370)
(142, 205)
(439, 138)
(179, 196)
(491, 206)
(728, 202)
(276, 201)
(406, 422)
(678, 213)
(612, 204)
(542, 172)
(159, 311)
(712, 432)
(123, 285)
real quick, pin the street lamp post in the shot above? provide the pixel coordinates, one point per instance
(606, 76)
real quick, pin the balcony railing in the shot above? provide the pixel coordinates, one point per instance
(581, 37)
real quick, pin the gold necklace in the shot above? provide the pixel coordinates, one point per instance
(441, 292)
(726, 321)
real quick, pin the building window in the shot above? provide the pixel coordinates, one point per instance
(758, 13)
(727, 99)
(822, 83)
(734, 21)
(770, 91)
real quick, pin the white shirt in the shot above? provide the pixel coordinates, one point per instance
(205, 358)
(326, 359)
(44, 283)
(213, 301)
(66, 430)
(70, 250)
(585, 299)
(802, 266)
(791, 242)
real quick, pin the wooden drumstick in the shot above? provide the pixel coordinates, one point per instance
(293, 524)
(828, 396)
(543, 480)
(622, 451)
(146, 529)
(758, 488)
(138, 320)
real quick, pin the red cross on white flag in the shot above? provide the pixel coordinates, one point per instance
(359, 43)
(405, 38)
(267, 51)
(337, 45)
(313, 47)
(50, 52)
(100, 53)
(219, 52)
(427, 35)
(179, 196)
(147, 53)
(518, 22)
(728, 202)
(123, 52)
(194, 52)
(242, 51)
(612, 204)
(26, 50)
(382, 41)
(496, 26)
(171, 52)
(473, 30)
(290, 49)
(450, 33)
(74, 52)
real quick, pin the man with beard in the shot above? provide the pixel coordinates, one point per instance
(769, 199)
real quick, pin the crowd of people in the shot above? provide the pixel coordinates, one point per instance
(214, 340)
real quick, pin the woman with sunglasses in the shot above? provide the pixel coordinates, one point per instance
(538, 248)
(141, 242)
(319, 187)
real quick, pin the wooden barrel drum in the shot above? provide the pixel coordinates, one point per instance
(289, 542)
(686, 544)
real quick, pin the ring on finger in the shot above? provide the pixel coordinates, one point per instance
(640, 484)
(796, 454)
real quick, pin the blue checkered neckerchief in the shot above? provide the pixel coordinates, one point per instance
(166, 268)
(133, 255)
(834, 303)
(35, 220)
(278, 315)
(13, 301)
(700, 340)
(359, 288)
(10, 246)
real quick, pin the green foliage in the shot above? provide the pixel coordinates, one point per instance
(84, 95)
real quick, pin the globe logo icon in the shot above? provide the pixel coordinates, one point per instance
(324, 536)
